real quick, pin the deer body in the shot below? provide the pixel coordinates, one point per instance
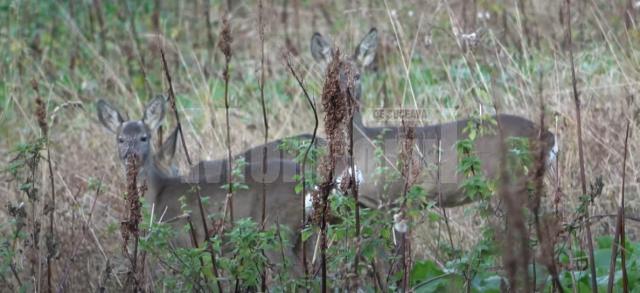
(165, 191)
(207, 170)
(434, 144)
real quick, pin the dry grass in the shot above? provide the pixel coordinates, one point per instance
(445, 76)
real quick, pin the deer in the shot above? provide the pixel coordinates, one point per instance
(207, 170)
(435, 144)
(164, 190)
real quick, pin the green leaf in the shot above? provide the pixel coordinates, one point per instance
(423, 270)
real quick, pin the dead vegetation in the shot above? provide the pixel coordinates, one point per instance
(453, 58)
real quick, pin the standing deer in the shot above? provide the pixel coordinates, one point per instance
(435, 143)
(207, 170)
(134, 137)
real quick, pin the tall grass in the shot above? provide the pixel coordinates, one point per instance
(448, 57)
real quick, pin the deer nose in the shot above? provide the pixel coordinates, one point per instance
(132, 158)
(131, 152)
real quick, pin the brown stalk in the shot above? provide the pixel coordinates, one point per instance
(172, 102)
(264, 113)
(155, 16)
(444, 210)
(583, 180)
(515, 255)
(41, 116)
(296, 21)
(210, 38)
(629, 14)
(304, 161)
(130, 226)
(224, 43)
(409, 173)
(547, 243)
(97, 4)
(619, 237)
(333, 104)
(194, 242)
(74, 50)
(352, 105)
(522, 6)
(266, 133)
(136, 42)
(285, 21)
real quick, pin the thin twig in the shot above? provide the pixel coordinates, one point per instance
(619, 236)
(266, 133)
(583, 180)
(304, 161)
(194, 242)
(172, 101)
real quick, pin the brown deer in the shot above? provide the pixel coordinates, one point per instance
(434, 143)
(134, 137)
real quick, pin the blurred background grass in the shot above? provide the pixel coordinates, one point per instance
(451, 58)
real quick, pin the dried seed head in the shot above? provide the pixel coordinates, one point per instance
(41, 109)
(334, 104)
(129, 227)
(224, 43)
(410, 168)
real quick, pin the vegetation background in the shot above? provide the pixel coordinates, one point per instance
(450, 57)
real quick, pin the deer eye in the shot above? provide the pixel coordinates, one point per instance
(143, 139)
(120, 140)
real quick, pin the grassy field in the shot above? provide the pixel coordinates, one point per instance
(452, 58)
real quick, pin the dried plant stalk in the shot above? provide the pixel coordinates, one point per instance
(41, 117)
(619, 237)
(266, 133)
(304, 162)
(172, 103)
(410, 171)
(334, 105)
(224, 44)
(583, 180)
(130, 226)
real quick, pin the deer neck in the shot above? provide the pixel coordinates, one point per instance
(154, 178)
(357, 119)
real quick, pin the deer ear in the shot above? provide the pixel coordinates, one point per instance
(366, 50)
(154, 112)
(109, 116)
(320, 48)
(168, 148)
